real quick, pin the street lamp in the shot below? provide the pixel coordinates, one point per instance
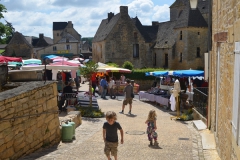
(193, 4)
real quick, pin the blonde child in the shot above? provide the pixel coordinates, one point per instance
(152, 126)
(110, 135)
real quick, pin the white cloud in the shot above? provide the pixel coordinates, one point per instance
(31, 17)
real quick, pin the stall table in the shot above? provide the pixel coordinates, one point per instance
(83, 101)
(120, 88)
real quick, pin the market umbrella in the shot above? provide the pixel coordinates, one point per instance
(188, 73)
(32, 61)
(157, 73)
(113, 69)
(10, 59)
(64, 63)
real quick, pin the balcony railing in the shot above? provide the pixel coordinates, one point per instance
(200, 100)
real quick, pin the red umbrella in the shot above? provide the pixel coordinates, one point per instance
(10, 59)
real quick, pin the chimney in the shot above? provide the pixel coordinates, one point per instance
(155, 23)
(70, 24)
(124, 10)
(110, 15)
(193, 4)
(40, 35)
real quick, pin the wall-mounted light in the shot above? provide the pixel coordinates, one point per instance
(193, 4)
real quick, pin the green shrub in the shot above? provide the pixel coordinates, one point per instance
(90, 112)
(127, 65)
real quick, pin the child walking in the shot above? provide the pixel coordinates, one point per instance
(152, 126)
(110, 135)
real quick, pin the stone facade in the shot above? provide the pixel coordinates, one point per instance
(29, 119)
(182, 41)
(225, 32)
(60, 27)
(116, 43)
(58, 48)
(19, 47)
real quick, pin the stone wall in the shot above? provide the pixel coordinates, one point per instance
(29, 119)
(225, 21)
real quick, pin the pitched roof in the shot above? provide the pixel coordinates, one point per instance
(166, 35)
(105, 28)
(67, 36)
(148, 32)
(191, 18)
(59, 25)
(18, 38)
(178, 3)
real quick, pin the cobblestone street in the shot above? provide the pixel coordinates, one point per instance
(178, 140)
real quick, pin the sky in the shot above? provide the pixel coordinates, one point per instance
(31, 17)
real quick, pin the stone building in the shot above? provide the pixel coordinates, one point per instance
(120, 38)
(182, 41)
(66, 41)
(19, 47)
(224, 78)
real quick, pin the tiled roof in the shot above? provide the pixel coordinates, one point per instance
(59, 25)
(166, 35)
(66, 36)
(48, 40)
(178, 3)
(148, 32)
(203, 6)
(191, 18)
(105, 28)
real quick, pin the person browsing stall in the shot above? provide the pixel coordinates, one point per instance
(128, 90)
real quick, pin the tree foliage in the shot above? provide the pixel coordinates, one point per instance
(87, 72)
(6, 30)
(128, 65)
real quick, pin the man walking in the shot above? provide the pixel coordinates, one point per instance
(104, 86)
(128, 90)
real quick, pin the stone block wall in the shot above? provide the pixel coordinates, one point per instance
(225, 31)
(29, 119)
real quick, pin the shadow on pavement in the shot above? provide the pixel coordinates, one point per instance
(91, 119)
(131, 115)
(154, 147)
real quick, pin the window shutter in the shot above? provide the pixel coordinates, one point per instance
(237, 47)
(235, 118)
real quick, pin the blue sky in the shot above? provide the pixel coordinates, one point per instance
(31, 17)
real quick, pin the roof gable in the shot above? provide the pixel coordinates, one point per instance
(18, 38)
(67, 37)
(148, 32)
(105, 28)
(166, 35)
(191, 18)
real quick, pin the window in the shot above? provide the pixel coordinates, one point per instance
(57, 34)
(135, 35)
(68, 47)
(198, 33)
(180, 57)
(54, 48)
(180, 35)
(67, 40)
(135, 50)
(198, 51)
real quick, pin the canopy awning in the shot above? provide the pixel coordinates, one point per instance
(10, 59)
